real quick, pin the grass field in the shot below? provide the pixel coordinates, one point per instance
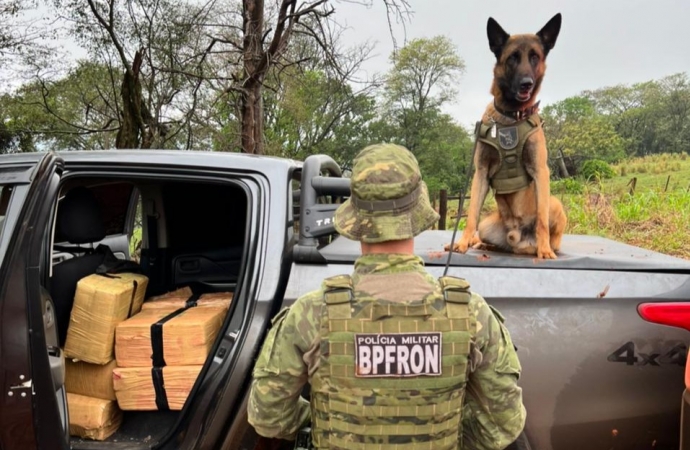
(656, 216)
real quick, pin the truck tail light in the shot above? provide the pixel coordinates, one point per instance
(672, 314)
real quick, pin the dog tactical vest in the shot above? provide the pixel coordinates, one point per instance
(509, 141)
(391, 375)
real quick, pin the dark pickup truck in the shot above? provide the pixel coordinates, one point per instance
(595, 374)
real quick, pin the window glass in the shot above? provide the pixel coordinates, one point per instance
(5, 195)
(113, 199)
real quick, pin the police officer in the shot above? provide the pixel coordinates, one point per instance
(396, 359)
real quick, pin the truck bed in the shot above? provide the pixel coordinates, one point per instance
(577, 252)
(595, 374)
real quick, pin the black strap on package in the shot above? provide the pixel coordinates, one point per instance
(157, 353)
(159, 388)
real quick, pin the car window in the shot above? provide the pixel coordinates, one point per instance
(204, 216)
(113, 199)
(5, 195)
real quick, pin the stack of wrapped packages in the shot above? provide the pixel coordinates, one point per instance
(101, 302)
(161, 350)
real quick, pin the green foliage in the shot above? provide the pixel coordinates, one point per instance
(13, 139)
(568, 110)
(651, 117)
(596, 169)
(576, 132)
(443, 148)
(567, 186)
(135, 240)
(655, 217)
(424, 74)
(72, 113)
(315, 112)
(422, 80)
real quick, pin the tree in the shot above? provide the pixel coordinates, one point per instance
(444, 148)
(316, 114)
(556, 119)
(424, 76)
(12, 140)
(8, 11)
(576, 139)
(76, 112)
(421, 82)
(673, 113)
(263, 49)
(155, 50)
(15, 31)
(20, 36)
(652, 117)
(316, 106)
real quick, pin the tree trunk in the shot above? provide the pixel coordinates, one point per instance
(128, 134)
(251, 106)
(251, 111)
(561, 165)
(135, 130)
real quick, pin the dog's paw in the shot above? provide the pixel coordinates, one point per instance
(483, 246)
(545, 253)
(458, 247)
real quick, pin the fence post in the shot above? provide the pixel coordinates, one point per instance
(442, 208)
(667, 180)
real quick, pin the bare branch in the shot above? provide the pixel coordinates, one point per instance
(108, 26)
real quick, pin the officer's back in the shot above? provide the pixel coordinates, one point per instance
(395, 358)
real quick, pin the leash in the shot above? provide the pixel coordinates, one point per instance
(463, 194)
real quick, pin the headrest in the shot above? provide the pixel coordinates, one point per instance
(79, 217)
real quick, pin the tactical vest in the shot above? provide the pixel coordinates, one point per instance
(509, 141)
(391, 375)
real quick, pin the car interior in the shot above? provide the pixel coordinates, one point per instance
(182, 234)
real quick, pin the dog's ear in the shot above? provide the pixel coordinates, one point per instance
(549, 33)
(497, 37)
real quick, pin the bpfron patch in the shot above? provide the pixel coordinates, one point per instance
(508, 137)
(398, 355)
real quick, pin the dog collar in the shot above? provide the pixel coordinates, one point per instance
(520, 114)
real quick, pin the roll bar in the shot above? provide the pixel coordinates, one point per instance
(316, 219)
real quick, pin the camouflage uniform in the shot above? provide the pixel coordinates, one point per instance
(301, 345)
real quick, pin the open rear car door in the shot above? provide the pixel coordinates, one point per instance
(33, 409)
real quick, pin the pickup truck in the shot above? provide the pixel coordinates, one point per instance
(596, 375)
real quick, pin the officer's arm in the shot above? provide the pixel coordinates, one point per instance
(493, 416)
(275, 408)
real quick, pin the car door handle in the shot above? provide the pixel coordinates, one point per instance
(190, 266)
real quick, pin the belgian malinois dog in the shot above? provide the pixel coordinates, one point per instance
(520, 176)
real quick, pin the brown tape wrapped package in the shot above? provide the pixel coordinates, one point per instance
(91, 380)
(134, 386)
(100, 304)
(187, 337)
(218, 299)
(92, 418)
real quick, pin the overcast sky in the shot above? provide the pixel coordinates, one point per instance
(602, 42)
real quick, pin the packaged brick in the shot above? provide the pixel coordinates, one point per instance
(183, 292)
(216, 299)
(184, 337)
(140, 282)
(91, 380)
(92, 418)
(135, 389)
(101, 302)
